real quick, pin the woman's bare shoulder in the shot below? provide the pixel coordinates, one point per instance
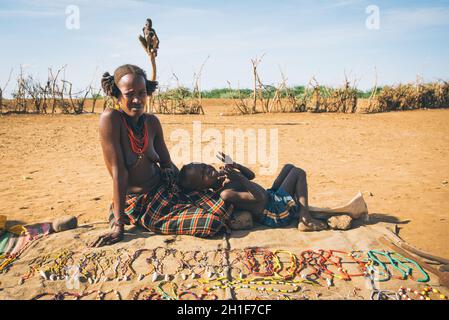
(110, 115)
(151, 117)
(153, 120)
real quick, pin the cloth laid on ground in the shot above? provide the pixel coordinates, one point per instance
(15, 239)
(164, 211)
(361, 237)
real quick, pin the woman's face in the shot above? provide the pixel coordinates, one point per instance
(133, 94)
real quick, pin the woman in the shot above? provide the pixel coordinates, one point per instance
(142, 172)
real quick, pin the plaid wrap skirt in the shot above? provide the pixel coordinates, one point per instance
(164, 211)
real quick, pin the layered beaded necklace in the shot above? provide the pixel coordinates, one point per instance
(138, 134)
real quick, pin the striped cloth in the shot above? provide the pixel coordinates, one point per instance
(164, 211)
(12, 244)
(279, 210)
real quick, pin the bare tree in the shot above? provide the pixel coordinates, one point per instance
(3, 90)
(241, 103)
(57, 94)
(77, 100)
(95, 95)
(196, 94)
(45, 95)
(256, 91)
(35, 92)
(20, 103)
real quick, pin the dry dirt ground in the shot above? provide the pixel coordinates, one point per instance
(53, 165)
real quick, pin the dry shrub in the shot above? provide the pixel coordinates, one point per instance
(410, 97)
(314, 101)
(242, 105)
(177, 101)
(323, 99)
(342, 100)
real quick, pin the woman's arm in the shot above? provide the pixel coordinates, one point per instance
(113, 156)
(159, 144)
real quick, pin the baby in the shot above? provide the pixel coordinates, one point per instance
(274, 207)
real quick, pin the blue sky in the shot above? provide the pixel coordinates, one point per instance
(317, 38)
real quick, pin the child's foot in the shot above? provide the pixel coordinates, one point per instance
(311, 225)
(241, 220)
(340, 222)
(357, 207)
(64, 223)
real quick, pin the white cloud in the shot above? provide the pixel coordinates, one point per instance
(28, 13)
(344, 3)
(403, 19)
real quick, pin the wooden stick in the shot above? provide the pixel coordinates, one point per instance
(401, 243)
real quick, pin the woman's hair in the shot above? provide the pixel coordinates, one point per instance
(109, 82)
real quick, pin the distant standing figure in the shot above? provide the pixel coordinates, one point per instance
(151, 38)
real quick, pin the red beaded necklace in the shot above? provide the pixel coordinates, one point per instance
(139, 143)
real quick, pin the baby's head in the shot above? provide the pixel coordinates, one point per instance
(198, 176)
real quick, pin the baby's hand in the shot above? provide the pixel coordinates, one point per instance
(225, 158)
(233, 175)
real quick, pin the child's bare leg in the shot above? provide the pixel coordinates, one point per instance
(356, 208)
(281, 177)
(295, 183)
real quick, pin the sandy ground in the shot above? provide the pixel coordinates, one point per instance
(53, 165)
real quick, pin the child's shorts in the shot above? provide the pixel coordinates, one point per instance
(280, 209)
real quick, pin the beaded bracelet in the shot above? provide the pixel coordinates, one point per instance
(151, 296)
(404, 293)
(277, 265)
(57, 296)
(164, 294)
(409, 271)
(254, 266)
(202, 296)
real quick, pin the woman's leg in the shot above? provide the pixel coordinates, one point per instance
(295, 183)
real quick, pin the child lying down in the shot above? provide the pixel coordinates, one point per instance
(275, 207)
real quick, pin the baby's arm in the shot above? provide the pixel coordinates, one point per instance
(248, 173)
(252, 193)
(230, 164)
(237, 198)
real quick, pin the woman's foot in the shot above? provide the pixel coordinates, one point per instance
(306, 225)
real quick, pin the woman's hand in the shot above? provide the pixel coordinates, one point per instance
(114, 236)
(168, 175)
